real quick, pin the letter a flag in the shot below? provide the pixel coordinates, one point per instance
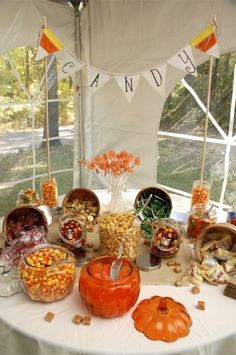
(206, 42)
(48, 44)
(96, 79)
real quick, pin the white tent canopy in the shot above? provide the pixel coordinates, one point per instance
(122, 36)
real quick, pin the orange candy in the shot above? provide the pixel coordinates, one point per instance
(114, 163)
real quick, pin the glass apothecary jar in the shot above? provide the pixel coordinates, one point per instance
(103, 296)
(200, 192)
(49, 192)
(166, 238)
(200, 217)
(119, 229)
(72, 230)
(47, 273)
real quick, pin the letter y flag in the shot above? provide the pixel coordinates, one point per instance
(47, 44)
(206, 42)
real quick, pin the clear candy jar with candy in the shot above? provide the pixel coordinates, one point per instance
(106, 297)
(200, 192)
(47, 273)
(200, 217)
(72, 230)
(119, 229)
(49, 192)
(166, 238)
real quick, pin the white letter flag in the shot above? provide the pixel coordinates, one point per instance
(128, 84)
(184, 60)
(69, 64)
(96, 79)
(156, 78)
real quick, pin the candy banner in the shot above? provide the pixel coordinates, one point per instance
(183, 60)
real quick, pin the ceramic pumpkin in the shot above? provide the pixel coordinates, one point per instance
(162, 318)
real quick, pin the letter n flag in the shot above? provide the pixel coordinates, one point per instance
(206, 42)
(48, 44)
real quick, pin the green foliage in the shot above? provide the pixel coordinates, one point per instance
(181, 105)
(22, 60)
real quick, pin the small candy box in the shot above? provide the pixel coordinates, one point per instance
(72, 230)
(200, 192)
(47, 273)
(49, 192)
(166, 238)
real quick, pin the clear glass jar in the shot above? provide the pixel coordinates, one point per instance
(49, 192)
(47, 273)
(200, 192)
(166, 238)
(200, 217)
(103, 296)
(72, 230)
(119, 229)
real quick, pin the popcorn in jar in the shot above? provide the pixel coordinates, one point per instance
(47, 273)
(119, 229)
(49, 192)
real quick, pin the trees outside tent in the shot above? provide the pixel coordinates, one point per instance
(182, 119)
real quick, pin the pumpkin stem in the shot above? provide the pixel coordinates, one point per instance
(163, 306)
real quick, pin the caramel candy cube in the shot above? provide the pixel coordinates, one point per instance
(49, 317)
(90, 245)
(89, 227)
(86, 320)
(77, 319)
(177, 269)
(178, 283)
(177, 263)
(201, 305)
(195, 290)
(171, 263)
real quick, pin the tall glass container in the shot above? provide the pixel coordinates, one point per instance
(200, 192)
(49, 192)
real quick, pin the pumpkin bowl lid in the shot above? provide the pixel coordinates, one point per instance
(162, 318)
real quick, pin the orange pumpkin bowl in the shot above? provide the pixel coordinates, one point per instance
(217, 230)
(162, 318)
(81, 194)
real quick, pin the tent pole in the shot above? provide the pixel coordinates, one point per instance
(78, 178)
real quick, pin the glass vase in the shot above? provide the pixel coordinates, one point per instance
(116, 193)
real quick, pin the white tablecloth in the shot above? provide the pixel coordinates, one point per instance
(23, 329)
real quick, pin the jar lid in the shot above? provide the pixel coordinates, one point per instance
(148, 262)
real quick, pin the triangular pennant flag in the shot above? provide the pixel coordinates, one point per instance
(47, 44)
(206, 42)
(184, 60)
(96, 79)
(157, 78)
(69, 64)
(128, 84)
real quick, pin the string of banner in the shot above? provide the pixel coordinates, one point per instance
(183, 60)
(206, 41)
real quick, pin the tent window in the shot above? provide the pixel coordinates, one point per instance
(182, 129)
(23, 158)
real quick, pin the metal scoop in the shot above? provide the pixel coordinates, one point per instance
(116, 265)
(139, 217)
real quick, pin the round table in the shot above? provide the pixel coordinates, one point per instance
(23, 329)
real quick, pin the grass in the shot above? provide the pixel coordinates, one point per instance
(19, 165)
(178, 167)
